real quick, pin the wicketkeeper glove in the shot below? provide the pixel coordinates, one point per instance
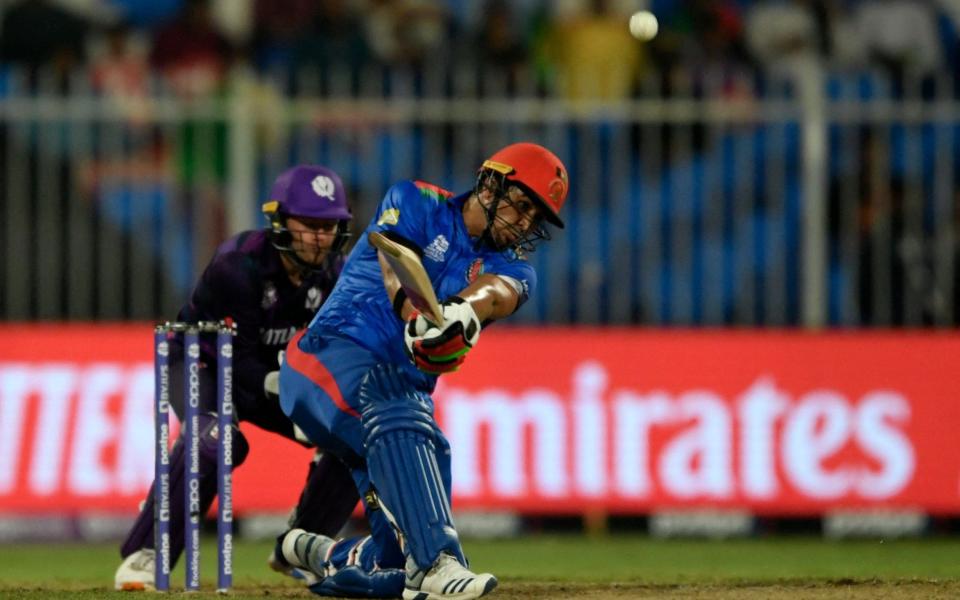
(442, 348)
(271, 385)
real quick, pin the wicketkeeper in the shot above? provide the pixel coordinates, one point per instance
(270, 283)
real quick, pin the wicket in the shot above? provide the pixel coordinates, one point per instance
(191, 437)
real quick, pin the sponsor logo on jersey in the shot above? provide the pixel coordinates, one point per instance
(474, 270)
(372, 500)
(324, 187)
(277, 337)
(437, 248)
(314, 298)
(269, 295)
(391, 216)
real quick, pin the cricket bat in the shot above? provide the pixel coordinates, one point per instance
(413, 277)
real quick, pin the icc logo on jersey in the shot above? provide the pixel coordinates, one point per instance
(323, 187)
(437, 248)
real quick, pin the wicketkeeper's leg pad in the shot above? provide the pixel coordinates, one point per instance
(328, 497)
(402, 439)
(141, 534)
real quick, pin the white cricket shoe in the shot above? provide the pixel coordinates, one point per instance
(136, 572)
(449, 580)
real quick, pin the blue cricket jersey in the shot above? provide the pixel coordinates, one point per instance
(430, 217)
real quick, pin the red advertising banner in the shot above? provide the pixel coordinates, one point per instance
(76, 426)
(545, 420)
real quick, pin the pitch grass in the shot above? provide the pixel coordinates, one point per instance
(554, 567)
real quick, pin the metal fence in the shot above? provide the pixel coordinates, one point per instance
(822, 199)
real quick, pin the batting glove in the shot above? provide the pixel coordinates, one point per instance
(442, 348)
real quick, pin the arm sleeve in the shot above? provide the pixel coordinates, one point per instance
(520, 276)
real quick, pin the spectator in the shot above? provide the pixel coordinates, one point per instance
(497, 40)
(406, 32)
(701, 51)
(190, 52)
(147, 13)
(595, 55)
(497, 50)
(335, 37)
(901, 35)
(844, 48)
(278, 25)
(39, 34)
(120, 71)
(783, 33)
(690, 30)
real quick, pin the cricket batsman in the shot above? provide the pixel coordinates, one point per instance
(270, 283)
(359, 380)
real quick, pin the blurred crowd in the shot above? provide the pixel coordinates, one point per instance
(565, 48)
(885, 244)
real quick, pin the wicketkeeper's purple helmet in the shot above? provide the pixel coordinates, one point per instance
(308, 191)
(311, 192)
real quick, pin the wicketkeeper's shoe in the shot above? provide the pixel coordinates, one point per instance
(136, 572)
(449, 580)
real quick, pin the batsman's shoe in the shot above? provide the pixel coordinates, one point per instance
(136, 572)
(281, 566)
(302, 555)
(449, 580)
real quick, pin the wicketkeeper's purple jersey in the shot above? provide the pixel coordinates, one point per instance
(246, 282)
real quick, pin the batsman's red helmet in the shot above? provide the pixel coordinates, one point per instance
(538, 171)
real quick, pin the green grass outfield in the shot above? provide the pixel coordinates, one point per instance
(552, 567)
